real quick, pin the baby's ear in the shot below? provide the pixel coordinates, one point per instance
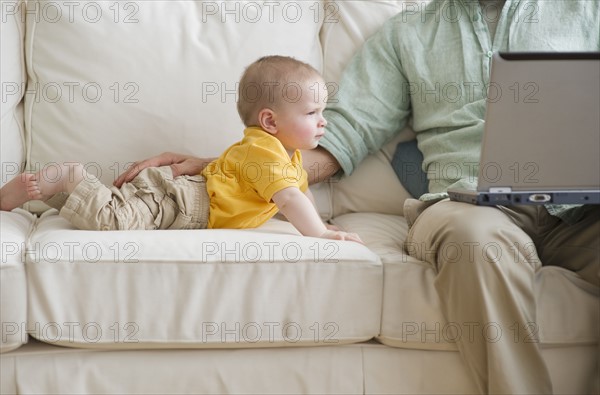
(266, 120)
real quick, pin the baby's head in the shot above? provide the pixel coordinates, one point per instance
(272, 81)
(283, 96)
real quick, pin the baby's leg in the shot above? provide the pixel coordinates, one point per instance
(54, 179)
(42, 185)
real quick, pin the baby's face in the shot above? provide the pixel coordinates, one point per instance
(299, 119)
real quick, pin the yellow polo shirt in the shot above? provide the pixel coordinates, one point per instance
(242, 181)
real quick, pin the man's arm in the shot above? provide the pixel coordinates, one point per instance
(180, 164)
(372, 104)
(319, 164)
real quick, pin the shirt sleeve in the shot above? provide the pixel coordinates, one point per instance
(273, 171)
(372, 104)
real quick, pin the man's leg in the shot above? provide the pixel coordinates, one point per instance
(576, 247)
(573, 246)
(485, 283)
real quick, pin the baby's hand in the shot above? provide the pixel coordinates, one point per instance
(332, 227)
(340, 235)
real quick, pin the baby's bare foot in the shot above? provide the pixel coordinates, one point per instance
(40, 186)
(15, 192)
(49, 181)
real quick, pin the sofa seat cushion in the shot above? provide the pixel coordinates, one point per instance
(14, 229)
(199, 288)
(567, 306)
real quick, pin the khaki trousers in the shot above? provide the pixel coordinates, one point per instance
(152, 200)
(485, 259)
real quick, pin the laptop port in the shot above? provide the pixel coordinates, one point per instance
(540, 198)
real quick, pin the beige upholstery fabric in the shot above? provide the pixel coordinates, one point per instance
(12, 79)
(199, 288)
(567, 311)
(369, 368)
(14, 230)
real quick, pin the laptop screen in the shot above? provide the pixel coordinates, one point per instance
(542, 123)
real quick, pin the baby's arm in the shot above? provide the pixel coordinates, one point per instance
(309, 194)
(310, 197)
(300, 211)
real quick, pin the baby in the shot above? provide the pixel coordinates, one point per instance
(281, 102)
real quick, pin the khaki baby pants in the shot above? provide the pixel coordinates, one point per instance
(152, 200)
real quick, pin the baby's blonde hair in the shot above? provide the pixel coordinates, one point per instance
(267, 82)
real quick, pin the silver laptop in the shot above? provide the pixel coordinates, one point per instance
(541, 143)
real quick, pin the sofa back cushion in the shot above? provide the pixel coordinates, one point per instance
(12, 78)
(117, 82)
(113, 83)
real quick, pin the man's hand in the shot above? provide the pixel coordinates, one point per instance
(180, 165)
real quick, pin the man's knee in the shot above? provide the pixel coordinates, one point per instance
(464, 223)
(452, 232)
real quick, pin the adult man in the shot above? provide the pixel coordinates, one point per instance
(432, 63)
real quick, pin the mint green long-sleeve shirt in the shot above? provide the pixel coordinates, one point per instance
(432, 62)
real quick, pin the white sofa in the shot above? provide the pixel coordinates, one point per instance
(106, 83)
